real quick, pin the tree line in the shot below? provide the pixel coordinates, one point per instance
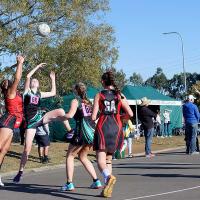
(173, 87)
(80, 47)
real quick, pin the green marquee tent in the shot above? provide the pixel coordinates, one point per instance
(133, 95)
(158, 102)
(57, 129)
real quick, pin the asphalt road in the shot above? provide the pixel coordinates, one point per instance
(168, 176)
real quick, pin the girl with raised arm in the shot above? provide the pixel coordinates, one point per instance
(34, 116)
(14, 110)
(108, 135)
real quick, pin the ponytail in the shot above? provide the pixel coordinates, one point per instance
(81, 92)
(5, 85)
(108, 78)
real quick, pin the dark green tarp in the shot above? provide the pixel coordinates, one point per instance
(57, 129)
(137, 92)
(158, 100)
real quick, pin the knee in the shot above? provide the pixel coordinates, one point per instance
(60, 112)
(70, 155)
(82, 157)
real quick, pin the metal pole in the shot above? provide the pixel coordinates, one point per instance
(183, 57)
(136, 112)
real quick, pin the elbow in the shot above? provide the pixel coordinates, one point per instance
(130, 114)
(69, 116)
(53, 93)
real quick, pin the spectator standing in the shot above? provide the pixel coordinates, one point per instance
(146, 116)
(191, 116)
(128, 129)
(158, 124)
(167, 123)
(43, 141)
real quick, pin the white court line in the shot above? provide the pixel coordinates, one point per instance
(163, 162)
(161, 194)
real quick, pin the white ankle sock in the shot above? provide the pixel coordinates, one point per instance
(105, 174)
(1, 183)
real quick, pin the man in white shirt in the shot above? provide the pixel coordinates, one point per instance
(167, 122)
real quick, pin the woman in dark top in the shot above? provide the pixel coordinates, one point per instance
(34, 115)
(82, 137)
(108, 134)
(146, 116)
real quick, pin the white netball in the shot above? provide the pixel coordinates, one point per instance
(43, 30)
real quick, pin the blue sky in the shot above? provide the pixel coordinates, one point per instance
(139, 25)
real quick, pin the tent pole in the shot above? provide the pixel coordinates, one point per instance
(136, 110)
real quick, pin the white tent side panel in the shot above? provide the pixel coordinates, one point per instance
(157, 102)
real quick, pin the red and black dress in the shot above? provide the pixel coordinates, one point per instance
(14, 112)
(108, 134)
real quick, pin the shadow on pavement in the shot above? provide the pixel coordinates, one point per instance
(14, 154)
(45, 190)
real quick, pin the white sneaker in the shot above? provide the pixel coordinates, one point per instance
(195, 153)
(1, 183)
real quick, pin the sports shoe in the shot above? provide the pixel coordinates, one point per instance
(41, 159)
(107, 191)
(1, 183)
(130, 155)
(68, 187)
(137, 136)
(194, 153)
(96, 185)
(18, 177)
(45, 160)
(151, 155)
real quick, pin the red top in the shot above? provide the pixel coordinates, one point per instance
(14, 106)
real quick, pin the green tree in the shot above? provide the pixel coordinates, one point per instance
(79, 48)
(158, 80)
(136, 79)
(19, 20)
(176, 84)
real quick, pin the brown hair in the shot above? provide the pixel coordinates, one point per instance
(108, 79)
(4, 89)
(81, 91)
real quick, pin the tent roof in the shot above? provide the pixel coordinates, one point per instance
(137, 92)
(133, 94)
(91, 92)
